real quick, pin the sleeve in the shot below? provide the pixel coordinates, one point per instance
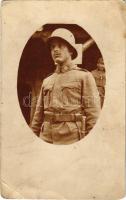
(91, 101)
(38, 115)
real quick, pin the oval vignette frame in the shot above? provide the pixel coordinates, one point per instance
(36, 64)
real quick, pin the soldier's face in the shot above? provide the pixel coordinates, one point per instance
(60, 51)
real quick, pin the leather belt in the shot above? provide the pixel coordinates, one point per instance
(50, 117)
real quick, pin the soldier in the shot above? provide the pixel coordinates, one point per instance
(99, 75)
(68, 105)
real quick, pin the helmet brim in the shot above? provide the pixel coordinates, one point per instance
(72, 48)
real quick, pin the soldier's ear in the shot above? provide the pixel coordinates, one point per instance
(71, 53)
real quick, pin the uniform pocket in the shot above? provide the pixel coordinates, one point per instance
(72, 85)
(71, 93)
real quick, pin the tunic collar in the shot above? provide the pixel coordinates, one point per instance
(64, 68)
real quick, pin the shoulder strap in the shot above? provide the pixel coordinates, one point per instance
(81, 69)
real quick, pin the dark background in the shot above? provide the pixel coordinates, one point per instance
(36, 64)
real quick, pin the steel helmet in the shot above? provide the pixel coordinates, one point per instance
(66, 36)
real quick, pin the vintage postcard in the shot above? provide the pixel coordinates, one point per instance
(63, 99)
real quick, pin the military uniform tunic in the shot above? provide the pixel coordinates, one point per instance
(70, 91)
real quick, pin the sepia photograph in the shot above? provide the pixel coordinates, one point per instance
(61, 83)
(63, 99)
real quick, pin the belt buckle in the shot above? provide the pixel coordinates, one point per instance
(54, 118)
